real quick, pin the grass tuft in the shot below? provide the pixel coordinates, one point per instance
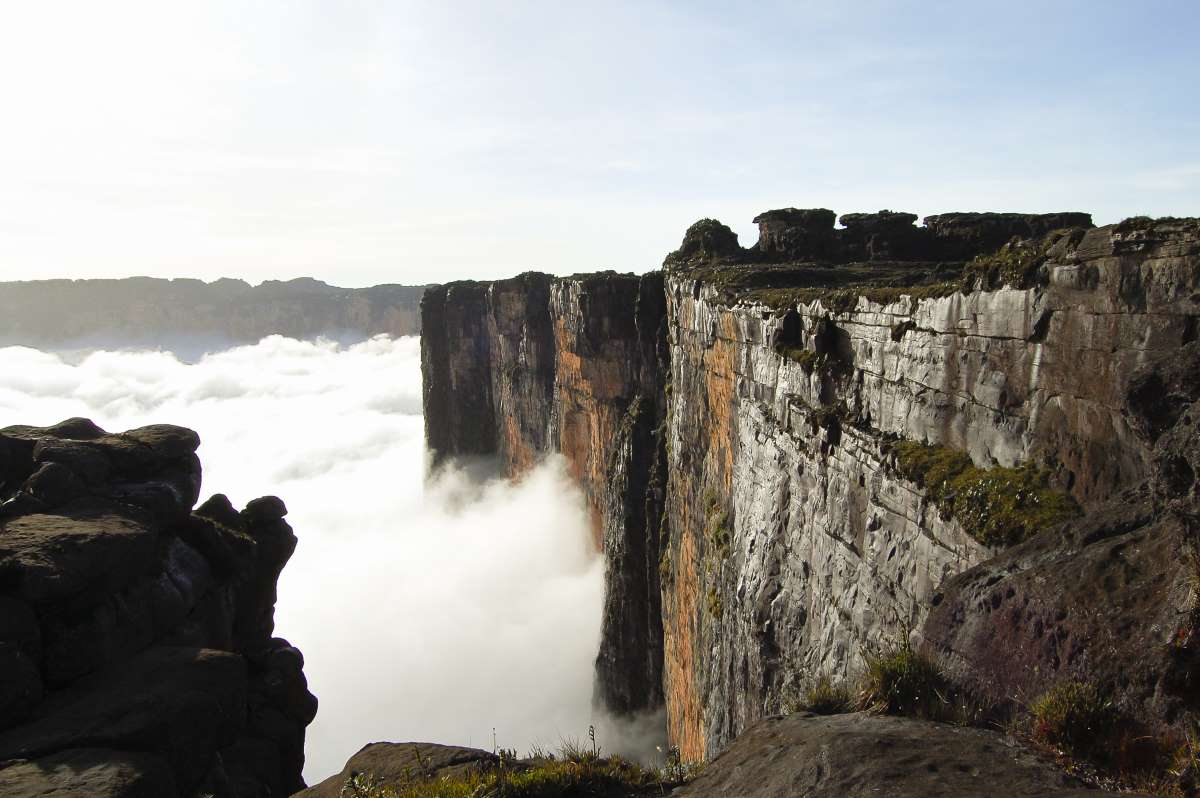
(1076, 717)
(903, 681)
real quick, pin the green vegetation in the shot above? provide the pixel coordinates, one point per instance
(576, 773)
(1015, 265)
(664, 568)
(715, 608)
(1076, 717)
(824, 697)
(903, 681)
(716, 524)
(996, 506)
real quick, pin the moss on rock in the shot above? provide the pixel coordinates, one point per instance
(996, 506)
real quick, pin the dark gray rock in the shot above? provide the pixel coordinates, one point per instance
(180, 703)
(89, 773)
(89, 550)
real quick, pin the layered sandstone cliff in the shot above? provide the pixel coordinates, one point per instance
(144, 311)
(136, 647)
(796, 400)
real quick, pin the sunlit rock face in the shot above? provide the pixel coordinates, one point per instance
(789, 542)
(145, 311)
(135, 633)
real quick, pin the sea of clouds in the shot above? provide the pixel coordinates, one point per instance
(426, 609)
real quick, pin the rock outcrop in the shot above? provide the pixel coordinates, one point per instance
(806, 393)
(136, 647)
(399, 763)
(847, 756)
(150, 312)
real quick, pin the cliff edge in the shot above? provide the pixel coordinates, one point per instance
(971, 435)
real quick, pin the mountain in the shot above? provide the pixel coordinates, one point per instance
(973, 437)
(151, 312)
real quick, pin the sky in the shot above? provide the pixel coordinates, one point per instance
(435, 610)
(414, 142)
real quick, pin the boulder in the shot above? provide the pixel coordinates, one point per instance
(845, 756)
(705, 240)
(394, 762)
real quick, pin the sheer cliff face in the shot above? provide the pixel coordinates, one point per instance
(135, 634)
(525, 367)
(143, 311)
(793, 537)
(795, 546)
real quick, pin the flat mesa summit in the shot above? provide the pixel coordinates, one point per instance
(885, 509)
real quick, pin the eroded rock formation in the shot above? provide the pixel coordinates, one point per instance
(144, 311)
(136, 647)
(801, 389)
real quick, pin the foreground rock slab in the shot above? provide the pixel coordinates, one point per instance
(844, 756)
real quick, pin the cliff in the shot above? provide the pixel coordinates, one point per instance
(522, 367)
(144, 311)
(970, 433)
(136, 647)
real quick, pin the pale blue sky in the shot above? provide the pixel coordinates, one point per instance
(415, 142)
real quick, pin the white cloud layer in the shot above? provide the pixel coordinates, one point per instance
(425, 612)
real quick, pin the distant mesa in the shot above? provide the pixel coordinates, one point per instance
(151, 312)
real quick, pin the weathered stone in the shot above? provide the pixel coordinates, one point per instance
(394, 762)
(180, 703)
(111, 606)
(846, 756)
(89, 773)
(53, 557)
(705, 240)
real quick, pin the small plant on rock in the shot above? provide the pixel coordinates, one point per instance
(902, 681)
(824, 697)
(1076, 717)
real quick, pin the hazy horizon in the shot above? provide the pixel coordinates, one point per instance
(418, 142)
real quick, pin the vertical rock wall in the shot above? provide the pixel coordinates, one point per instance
(740, 468)
(536, 365)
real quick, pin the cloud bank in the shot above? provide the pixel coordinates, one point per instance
(425, 611)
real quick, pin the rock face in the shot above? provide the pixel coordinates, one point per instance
(144, 311)
(523, 367)
(136, 646)
(845, 756)
(1109, 599)
(790, 377)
